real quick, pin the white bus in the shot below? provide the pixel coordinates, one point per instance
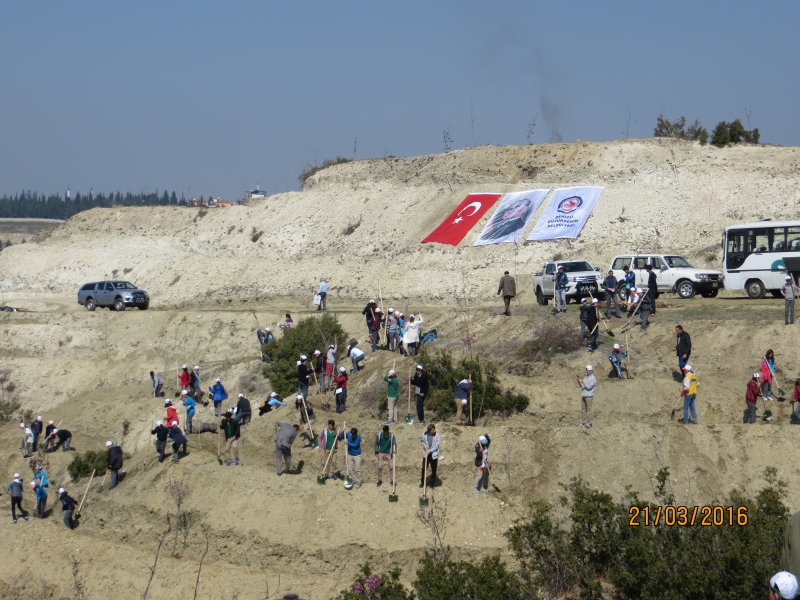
(758, 256)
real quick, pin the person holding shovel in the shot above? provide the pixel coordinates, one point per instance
(420, 380)
(587, 385)
(353, 453)
(592, 324)
(375, 329)
(68, 507)
(218, 395)
(751, 397)
(369, 313)
(285, 435)
(385, 450)
(329, 446)
(330, 366)
(232, 434)
(767, 368)
(482, 464)
(645, 309)
(48, 435)
(194, 385)
(114, 462)
(462, 397)
(41, 499)
(161, 434)
(340, 385)
(303, 376)
(430, 454)
(64, 439)
(392, 331)
(689, 393)
(393, 393)
(319, 370)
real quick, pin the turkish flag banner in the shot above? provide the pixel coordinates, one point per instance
(453, 229)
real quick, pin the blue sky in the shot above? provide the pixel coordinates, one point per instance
(212, 97)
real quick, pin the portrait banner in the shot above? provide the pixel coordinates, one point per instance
(511, 217)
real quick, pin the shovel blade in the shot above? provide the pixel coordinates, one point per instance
(392, 498)
(611, 333)
(322, 480)
(423, 502)
(409, 420)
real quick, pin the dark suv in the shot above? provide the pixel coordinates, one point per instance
(118, 294)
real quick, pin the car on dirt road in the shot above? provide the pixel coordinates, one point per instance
(112, 294)
(584, 281)
(673, 273)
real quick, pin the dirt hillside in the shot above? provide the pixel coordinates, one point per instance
(207, 276)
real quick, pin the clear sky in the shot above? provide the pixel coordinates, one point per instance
(213, 97)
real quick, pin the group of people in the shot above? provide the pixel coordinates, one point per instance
(401, 335)
(54, 438)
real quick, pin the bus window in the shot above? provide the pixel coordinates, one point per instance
(779, 239)
(793, 238)
(758, 240)
(736, 253)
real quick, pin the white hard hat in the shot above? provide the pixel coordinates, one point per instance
(583, 300)
(464, 402)
(61, 490)
(391, 310)
(167, 401)
(757, 375)
(616, 346)
(589, 368)
(109, 444)
(185, 366)
(343, 370)
(788, 277)
(391, 372)
(16, 475)
(50, 422)
(174, 423)
(196, 368)
(299, 396)
(687, 368)
(273, 394)
(22, 425)
(184, 393)
(303, 357)
(419, 367)
(218, 380)
(159, 423)
(595, 301)
(241, 395)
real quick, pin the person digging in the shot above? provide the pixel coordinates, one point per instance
(751, 398)
(232, 431)
(462, 397)
(329, 449)
(482, 464)
(285, 435)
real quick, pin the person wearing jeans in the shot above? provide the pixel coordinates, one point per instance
(753, 392)
(356, 356)
(689, 393)
(420, 380)
(430, 454)
(610, 288)
(68, 506)
(15, 488)
(683, 346)
(561, 280)
(323, 295)
(789, 291)
(41, 499)
(353, 454)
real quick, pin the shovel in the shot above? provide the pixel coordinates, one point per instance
(674, 408)
(409, 418)
(491, 479)
(602, 320)
(424, 500)
(78, 512)
(767, 413)
(321, 479)
(100, 489)
(470, 423)
(314, 443)
(393, 495)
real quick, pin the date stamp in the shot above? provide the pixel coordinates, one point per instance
(688, 516)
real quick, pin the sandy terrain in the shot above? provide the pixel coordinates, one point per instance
(91, 368)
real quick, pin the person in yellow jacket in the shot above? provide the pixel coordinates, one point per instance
(689, 393)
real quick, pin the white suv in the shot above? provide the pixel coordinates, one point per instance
(673, 273)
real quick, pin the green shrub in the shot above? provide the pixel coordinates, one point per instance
(677, 130)
(82, 464)
(440, 578)
(733, 133)
(312, 170)
(487, 393)
(314, 333)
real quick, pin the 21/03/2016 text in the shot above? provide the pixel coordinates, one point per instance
(687, 516)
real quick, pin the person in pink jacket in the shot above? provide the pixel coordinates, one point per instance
(767, 369)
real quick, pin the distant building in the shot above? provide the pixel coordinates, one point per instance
(223, 203)
(256, 193)
(67, 196)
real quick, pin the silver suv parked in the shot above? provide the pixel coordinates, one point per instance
(116, 294)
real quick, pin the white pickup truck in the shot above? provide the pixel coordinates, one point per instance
(584, 280)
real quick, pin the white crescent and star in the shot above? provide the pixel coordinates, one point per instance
(477, 207)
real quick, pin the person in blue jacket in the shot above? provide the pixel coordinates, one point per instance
(190, 405)
(353, 453)
(41, 477)
(41, 499)
(218, 395)
(462, 397)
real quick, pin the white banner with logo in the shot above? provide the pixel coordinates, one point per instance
(566, 213)
(511, 217)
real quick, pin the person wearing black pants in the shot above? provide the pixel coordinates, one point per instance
(68, 506)
(15, 488)
(652, 288)
(420, 380)
(430, 454)
(161, 434)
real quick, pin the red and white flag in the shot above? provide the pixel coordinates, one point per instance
(453, 229)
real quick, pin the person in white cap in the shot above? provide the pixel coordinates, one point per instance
(330, 366)
(340, 385)
(587, 385)
(190, 405)
(462, 397)
(615, 358)
(319, 369)
(392, 395)
(185, 377)
(411, 336)
(751, 397)
(582, 317)
(68, 506)
(195, 391)
(114, 462)
(323, 295)
(303, 375)
(392, 331)
(783, 585)
(64, 439)
(306, 410)
(482, 464)
(172, 414)
(592, 325)
(48, 439)
(243, 410)
(356, 356)
(15, 489)
(270, 403)
(689, 393)
(27, 440)
(218, 396)
(161, 432)
(421, 384)
(36, 427)
(646, 305)
(633, 301)
(789, 291)
(369, 313)
(41, 498)
(375, 329)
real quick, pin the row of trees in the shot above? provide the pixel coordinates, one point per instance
(32, 205)
(724, 133)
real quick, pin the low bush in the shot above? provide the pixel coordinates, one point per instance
(487, 393)
(312, 170)
(314, 333)
(550, 336)
(82, 464)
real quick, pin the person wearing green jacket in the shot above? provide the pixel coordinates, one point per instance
(393, 393)
(385, 450)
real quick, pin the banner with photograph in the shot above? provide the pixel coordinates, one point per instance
(511, 217)
(566, 213)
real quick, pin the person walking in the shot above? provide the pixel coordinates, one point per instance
(323, 295)
(582, 317)
(508, 289)
(767, 369)
(789, 291)
(218, 396)
(652, 287)
(243, 411)
(161, 434)
(27, 440)
(630, 281)
(356, 356)
(340, 385)
(330, 366)
(561, 280)
(392, 331)
(158, 383)
(421, 383)
(303, 375)
(385, 450)
(411, 336)
(610, 288)
(375, 329)
(285, 435)
(191, 406)
(185, 377)
(645, 310)
(683, 346)
(41, 499)
(587, 385)
(430, 454)
(689, 393)
(392, 395)
(36, 428)
(369, 313)
(48, 439)
(353, 453)
(592, 324)
(15, 491)
(230, 427)
(64, 438)
(783, 586)
(114, 462)
(172, 413)
(68, 507)
(751, 397)
(462, 397)
(178, 441)
(482, 464)
(329, 445)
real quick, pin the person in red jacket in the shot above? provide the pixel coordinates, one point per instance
(753, 392)
(172, 414)
(340, 383)
(797, 398)
(186, 379)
